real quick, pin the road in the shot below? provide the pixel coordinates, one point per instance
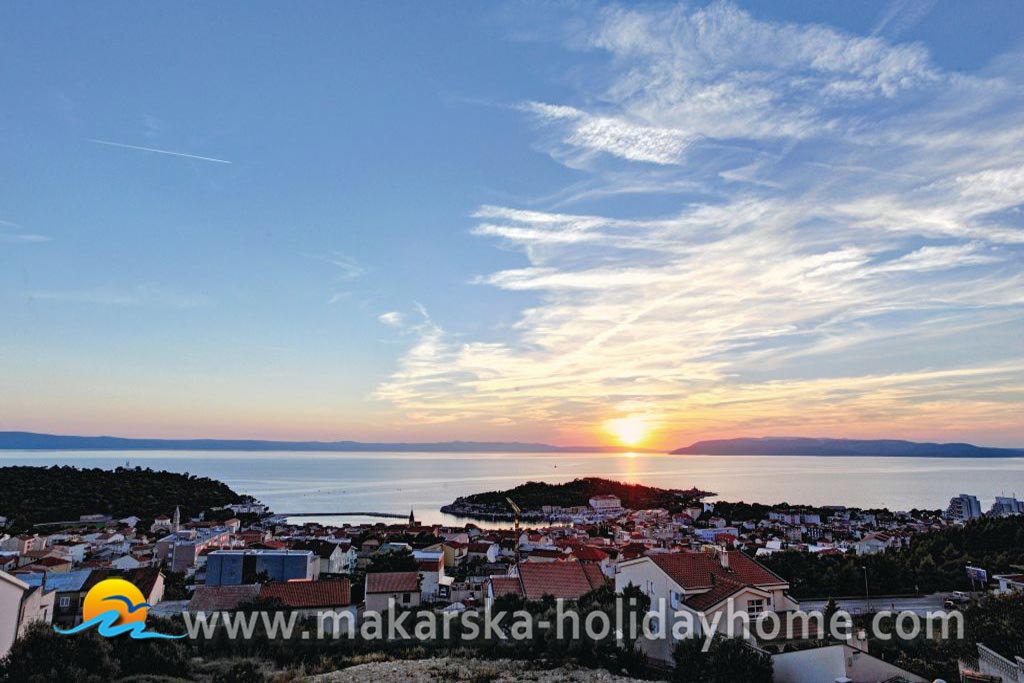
(919, 605)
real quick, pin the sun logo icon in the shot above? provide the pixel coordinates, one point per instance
(115, 594)
(114, 607)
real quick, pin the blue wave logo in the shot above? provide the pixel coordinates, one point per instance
(106, 625)
(115, 607)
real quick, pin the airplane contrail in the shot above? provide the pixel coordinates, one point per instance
(158, 151)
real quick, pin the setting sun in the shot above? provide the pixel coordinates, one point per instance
(630, 430)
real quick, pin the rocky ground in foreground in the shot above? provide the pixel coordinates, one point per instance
(469, 671)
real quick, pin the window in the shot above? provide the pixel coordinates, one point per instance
(755, 607)
(65, 602)
(406, 597)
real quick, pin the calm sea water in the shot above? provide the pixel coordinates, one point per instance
(293, 482)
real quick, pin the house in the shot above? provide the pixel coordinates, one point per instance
(9, 560)
(710, 534)
(588, 553)
(383, 587)
(23, 543)
(313, 599)
(232, 567)
(546, 555)
(434, 583)
(181, 548)
(222, 598)
(51, 563)
(76, 550)
(872, 544)
(703, 582)
(20, 606)
(1009, 583)
(484, 550)
(331, 557)
(248, 508)
(126, 562)
(69, 591)
(533, 581)
(840, 662)
(149, 581)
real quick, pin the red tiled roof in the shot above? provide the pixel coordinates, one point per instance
(590, 554)
(309, 594)
(720, 591)
(430, 565)
(568, 580)
(506, 585)
(693, 570)
(222, 598)
(392, 582)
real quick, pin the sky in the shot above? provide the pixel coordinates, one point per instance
(572, 223)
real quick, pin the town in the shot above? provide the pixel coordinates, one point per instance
(703, 557)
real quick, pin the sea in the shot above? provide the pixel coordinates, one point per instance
(396, 483)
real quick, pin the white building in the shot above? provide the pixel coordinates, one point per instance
(606, 503)
(20, 606)
(1009, 583)
(840, 662)
(702, 582)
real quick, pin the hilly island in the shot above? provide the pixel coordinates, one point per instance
(892, 448)
(766, 445)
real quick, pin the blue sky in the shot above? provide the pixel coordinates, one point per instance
(513, 221)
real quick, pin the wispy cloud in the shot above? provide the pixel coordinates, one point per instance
(14, 232)
(347, 267)
(141, 295)
(848, 219)
(155, 150)
(392, 319)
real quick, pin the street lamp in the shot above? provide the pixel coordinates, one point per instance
(867, 595)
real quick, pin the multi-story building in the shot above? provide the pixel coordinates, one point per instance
(1006, 506)
(963, 508)
(234, 567)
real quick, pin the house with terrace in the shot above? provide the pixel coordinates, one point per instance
(702, 583)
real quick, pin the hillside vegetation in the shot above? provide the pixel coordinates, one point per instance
(933, 562)
(31, 495)
(533, 495)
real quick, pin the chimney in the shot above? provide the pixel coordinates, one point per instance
(723, 559)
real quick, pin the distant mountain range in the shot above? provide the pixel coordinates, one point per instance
(780, 445)
(34, 441)
(768, 445)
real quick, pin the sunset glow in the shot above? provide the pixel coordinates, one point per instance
(630, 430)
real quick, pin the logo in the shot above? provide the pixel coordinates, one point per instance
(115, 607)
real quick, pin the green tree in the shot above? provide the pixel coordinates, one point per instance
(43, 656)
(394, 561)
(727, 660)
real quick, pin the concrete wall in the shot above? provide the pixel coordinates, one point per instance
(821, 665)
(378, 602)
(11, 591)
